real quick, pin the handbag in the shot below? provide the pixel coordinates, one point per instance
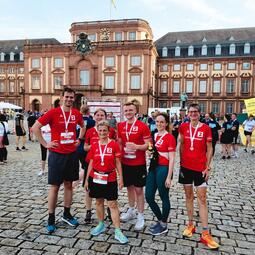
(154, 158)
(5, 137)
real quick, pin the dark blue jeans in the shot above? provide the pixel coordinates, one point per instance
(156, 181)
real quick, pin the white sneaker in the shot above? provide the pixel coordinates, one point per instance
(129, 215)
(140, 222)
(40, 173)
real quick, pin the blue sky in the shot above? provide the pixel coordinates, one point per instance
(52, 18)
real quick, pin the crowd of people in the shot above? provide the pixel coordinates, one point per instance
(115, 155)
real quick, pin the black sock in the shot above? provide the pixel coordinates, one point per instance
(51, 219)
(67, 213)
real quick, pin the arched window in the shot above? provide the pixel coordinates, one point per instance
(2, 56)
(177, 51)
(232, 49)
(247, 48)
(218, 49)
(11, 56)
(204, 50)
(190, 50)
(164, 52)
(21, 56)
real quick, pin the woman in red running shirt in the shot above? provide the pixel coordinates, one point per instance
(92, 137)
(101, 180)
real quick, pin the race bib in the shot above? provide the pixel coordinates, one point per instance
(130, 154)
(67, 138)
(100, 178)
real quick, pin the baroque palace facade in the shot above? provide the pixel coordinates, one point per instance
(214, 67)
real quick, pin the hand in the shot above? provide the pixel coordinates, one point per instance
(131, 146)
(168, 182)
(206, 173)
(52, 144)
(77, 143)
(121, 184)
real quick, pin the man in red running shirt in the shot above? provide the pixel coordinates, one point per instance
(134, 137)
(63, 161)
(195, 160)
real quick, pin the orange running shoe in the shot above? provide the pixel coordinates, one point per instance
(207, 239)
(189, 230)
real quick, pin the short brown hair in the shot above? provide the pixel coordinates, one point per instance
(104, 123)
(68, 90)
(100, 110)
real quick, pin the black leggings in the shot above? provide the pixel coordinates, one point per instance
(3, 154)
(43, 153)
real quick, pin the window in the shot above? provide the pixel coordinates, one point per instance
(177, 67)
(135, 81)
(136, 61)
(218, 49)
(21, 70)
(232, 49)
(162, 104)
(163, 87)
(164, 52)
(92, 37)
(230, 86)
(2, 70)
(109, 82)
(216, 86)
(215, 107)
(204, 50)
(2, 56)
(203, 67)
(164, 68)
(176, 104)
(35, 63)
(190, 67)
(189, 86)
(132, 36)
(176, 87)
(231, 66)
(58, 62)
(118, 36)
(247, 48)
(21, 56)
(2, 89)
(84, 77)
(242, 107)
(36, 82)
(245, 86)
(11, 86)
(11, 56)
(229, 107)
(202, 106)
(190, 50)
(246, 65)
(217, 66)
(11, 70)
(109, 61)
(202, 86)
(177, 51)
(58, 81)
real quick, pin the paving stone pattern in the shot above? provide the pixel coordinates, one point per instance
(23, 213)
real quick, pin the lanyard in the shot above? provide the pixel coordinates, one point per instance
(68, 120)
(102, 153)
(160, 139)
(192, 137)
(129, 133)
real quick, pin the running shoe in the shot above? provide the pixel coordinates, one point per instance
(207, 239)
(140, 222)
(159, 230)
(70, 221)
(88, 217)
(129, 215)
(51, 228)
(120, 236)
(252, 152)
(245, 150)
(189, 230)
(152, 226)
(40, 173)
(100, 228)
(24, 148)
(18, 149)
(223, 157)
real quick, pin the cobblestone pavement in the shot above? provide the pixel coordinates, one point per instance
(23, 213)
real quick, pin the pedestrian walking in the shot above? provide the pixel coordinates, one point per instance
(20, 131)
(235, 131)
(3, 139)
(249, 127)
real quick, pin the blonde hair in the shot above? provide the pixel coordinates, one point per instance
(103, 123)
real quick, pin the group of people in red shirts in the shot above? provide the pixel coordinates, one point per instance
(119, 160)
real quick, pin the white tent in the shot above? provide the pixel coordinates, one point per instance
(4, 105)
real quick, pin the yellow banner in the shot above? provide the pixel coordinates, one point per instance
(250, 106)
(243, 137)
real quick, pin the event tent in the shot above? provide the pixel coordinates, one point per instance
(4, 105)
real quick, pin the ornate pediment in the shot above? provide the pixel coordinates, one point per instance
(35, 71)
(2, 77)
(189, 75)
(163, 76)
(245, 75)
(135, 70)
(176, 76)
(58, 71)
(231, 75)
(11, 77)
(109, 70)
(217, 75)
(203, 75)
(20, 77)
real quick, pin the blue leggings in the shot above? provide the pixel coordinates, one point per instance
(156, 180)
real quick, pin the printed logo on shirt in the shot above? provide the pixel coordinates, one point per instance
(72, 117)
(200, 134)
(109, 150)
(159, 142)
(135, 128)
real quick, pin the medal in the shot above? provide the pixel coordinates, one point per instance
(192, 137)
(191, 148)
(102, 153)
(102, 163)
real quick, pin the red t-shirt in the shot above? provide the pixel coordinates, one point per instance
(195, 159)
(165, 143)
(112, 152)
(55, 119)
(92, 137)
(139, 132)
